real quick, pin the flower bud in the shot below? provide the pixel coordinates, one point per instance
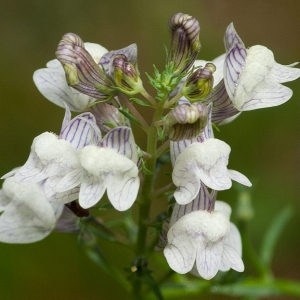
(107, 117)
(126, 75)
(186, 121)
(82, 72)
(200, 83)
(185, 43)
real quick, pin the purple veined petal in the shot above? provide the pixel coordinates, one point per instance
(267, 93)
(187, 182)
(67, 118)
(122, 191)
(107, 113)
(107, 59)
(52, 84)
(91, 190)
(59, 197)
(285, 73)
(208, 132)
(231, 259)
(234, 62)
(121, 140)
(208, 259)
(163, 240)
(81, 131)
(177, 147)
(231, 38)
(203, 201)
(32, 171)
(239, 177)
(180, 251)
(223, 107)
(69, 181)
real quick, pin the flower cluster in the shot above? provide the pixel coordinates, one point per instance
(96, 152)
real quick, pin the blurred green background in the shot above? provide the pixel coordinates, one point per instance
(265, 143)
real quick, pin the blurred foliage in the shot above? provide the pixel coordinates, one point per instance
(265, 144)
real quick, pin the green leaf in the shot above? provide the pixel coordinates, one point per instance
(129, 116)
(215, 127)
(140, 102)
(272, 235)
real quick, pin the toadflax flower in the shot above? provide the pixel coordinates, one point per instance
(111, 166)
(201, 241)
(52, 157)
(202, 238)
(203, 162)
(27, 215)
(252, 76)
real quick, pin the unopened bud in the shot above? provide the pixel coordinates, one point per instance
(186, 121)
(82, 73)
(108, 117)
(185, 44)
(200, 83)
(126, 75)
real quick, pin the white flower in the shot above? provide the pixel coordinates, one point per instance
(51, 82)
(52, 157)
(252, 76)
(27, 215)
(111, 166)
(204, 242)
(203, 162)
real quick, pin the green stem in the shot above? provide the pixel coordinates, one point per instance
(173, 100)
(135, 113)
(146, 194)
(149, 98)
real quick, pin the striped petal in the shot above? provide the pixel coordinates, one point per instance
(81, 131)
(52, 84)
(122, 190)
(121, 140)
(107, 59)
(231, 38)
(91, 190)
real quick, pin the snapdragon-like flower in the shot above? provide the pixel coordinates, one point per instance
(111, 166)
(252, 76)
(203, 162)
(27, 215)
(201, 240)
(52, 157)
